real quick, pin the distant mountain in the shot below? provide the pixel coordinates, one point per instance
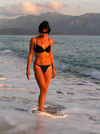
(87, 24)
(33, 21)
(3, 21)
(17, 31)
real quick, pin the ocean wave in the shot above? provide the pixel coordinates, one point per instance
(7, 51)
(58, 43)
(2, 79)
(5, 62)
(90, 72)
(10, 87)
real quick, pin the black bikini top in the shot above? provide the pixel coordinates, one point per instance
(39, 49)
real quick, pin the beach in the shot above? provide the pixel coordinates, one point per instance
(75, 91)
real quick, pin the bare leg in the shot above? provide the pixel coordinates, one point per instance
(41, 101)
(43, 81)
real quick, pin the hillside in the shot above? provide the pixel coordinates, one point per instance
(17, 31)
(32, 21)
(3, 21)
(87, 24)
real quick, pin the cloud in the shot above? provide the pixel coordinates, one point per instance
(90, 3)
(28, 8)
(78, 8)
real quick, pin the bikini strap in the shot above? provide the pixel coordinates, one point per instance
(49, 41)
(35, 44)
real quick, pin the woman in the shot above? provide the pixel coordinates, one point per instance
(43, 63)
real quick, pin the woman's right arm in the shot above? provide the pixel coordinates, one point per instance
(30, 57)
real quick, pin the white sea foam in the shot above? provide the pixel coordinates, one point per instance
(56, 82)
(2, 79)
(93, 73)
(6, 51)
(11, 87)
(57, 115)
(5, 62)
(1, 85)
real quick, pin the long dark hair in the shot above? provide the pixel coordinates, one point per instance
(44, 27)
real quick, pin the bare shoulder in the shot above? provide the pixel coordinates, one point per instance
(33, 40)
(32, 43)
(51, 41)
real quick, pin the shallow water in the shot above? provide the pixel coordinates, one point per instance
(74, 94)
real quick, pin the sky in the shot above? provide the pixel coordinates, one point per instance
(16, 8)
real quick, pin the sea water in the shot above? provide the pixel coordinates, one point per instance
(75, 91)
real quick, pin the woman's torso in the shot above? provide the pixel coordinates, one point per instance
(42, 51)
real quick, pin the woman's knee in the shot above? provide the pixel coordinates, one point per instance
(44, 90)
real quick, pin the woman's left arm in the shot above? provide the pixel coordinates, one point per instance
(52, 59)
